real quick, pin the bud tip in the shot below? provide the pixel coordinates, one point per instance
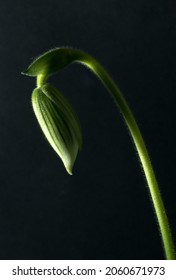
(69, 171)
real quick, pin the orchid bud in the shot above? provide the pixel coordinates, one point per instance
(58, 122)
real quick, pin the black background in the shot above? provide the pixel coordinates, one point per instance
(103, 211)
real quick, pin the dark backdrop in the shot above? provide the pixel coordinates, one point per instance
(103, 211)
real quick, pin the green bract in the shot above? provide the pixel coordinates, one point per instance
(50, 62)
(58, 122)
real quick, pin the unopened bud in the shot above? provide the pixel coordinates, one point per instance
(58, 122)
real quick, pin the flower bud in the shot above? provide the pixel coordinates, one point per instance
(58, 122)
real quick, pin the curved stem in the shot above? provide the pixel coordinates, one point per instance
(92, 64)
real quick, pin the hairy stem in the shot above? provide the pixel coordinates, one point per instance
(159, 208)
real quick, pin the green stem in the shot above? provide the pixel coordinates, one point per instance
(41, 79)
(120, 101)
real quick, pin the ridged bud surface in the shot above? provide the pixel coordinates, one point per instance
(58, 122)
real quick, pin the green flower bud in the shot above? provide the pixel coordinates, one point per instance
(58, 122)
